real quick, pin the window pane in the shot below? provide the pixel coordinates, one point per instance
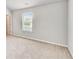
(27, 21)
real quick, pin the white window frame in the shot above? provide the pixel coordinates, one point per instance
(25, 15)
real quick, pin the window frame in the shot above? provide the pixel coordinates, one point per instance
(23, 14)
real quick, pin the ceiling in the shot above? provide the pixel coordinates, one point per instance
(19, 4)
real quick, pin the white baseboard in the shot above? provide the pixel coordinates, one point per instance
(70, 52)
(26, 37)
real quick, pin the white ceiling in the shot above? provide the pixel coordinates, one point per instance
(19, 4)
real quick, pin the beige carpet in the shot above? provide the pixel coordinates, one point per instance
(19, 48)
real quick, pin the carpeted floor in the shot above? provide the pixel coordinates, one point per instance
(19, 48)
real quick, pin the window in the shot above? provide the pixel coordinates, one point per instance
(27, 21)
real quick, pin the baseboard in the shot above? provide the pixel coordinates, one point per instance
(70, 52)
(31, 38)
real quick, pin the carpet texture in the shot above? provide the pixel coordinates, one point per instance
(19, 48)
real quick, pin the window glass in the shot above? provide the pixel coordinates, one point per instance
(27, 21)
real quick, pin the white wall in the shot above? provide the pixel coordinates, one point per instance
(70, 26)
(8, 12)
(49, 23)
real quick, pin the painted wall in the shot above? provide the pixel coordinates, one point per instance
(8, 12)
(49, 23)
(70, 26)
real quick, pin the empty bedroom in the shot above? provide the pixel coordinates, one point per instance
(39, 29)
